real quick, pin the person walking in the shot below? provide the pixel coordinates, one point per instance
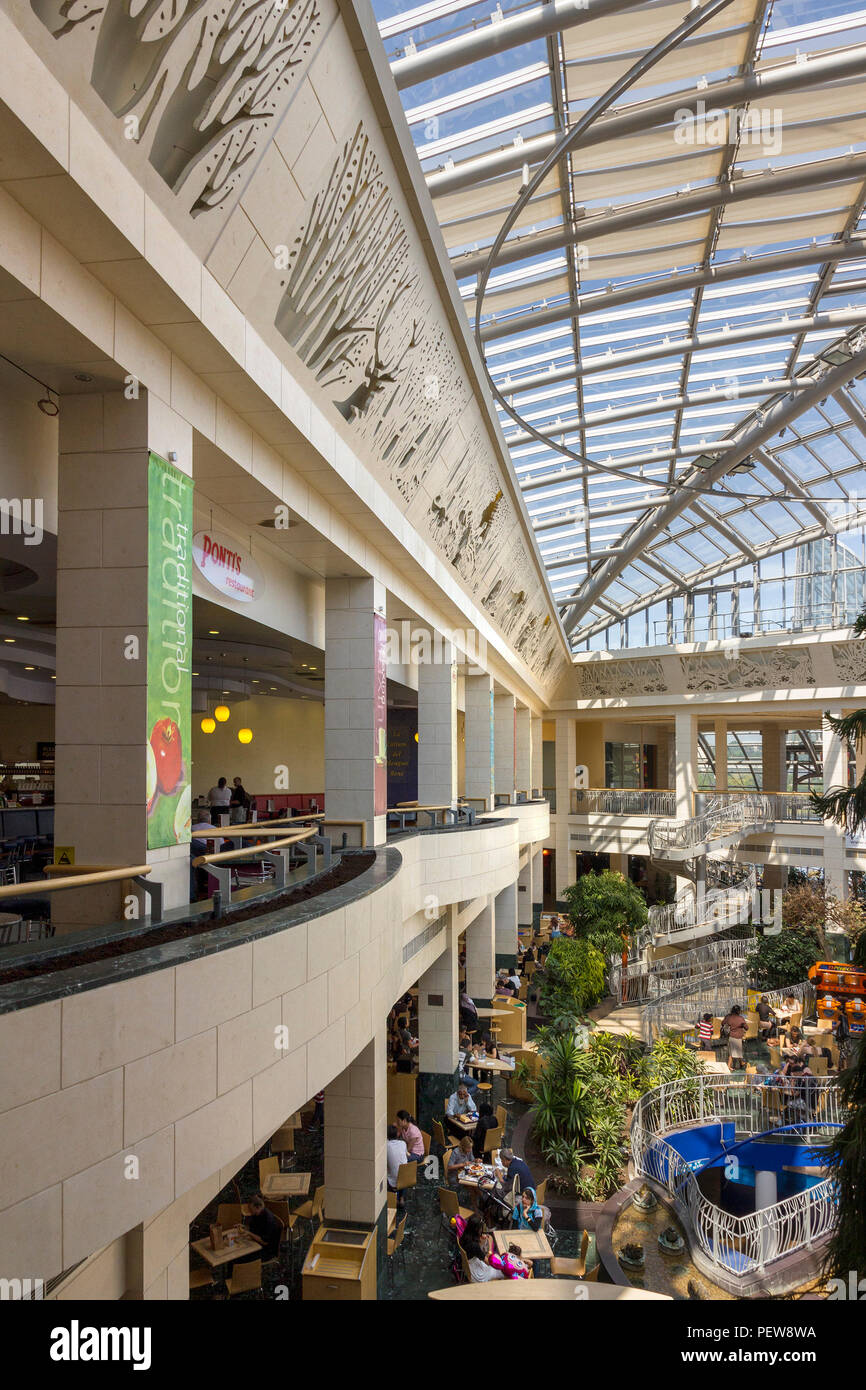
(735, 1027)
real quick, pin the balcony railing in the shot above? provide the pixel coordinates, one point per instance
(737, 1248)
(622, 801)
(790, 617)
(724, 820)
(785, 806)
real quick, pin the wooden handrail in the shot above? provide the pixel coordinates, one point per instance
(85, 880)
(242, 832)
(226, 855)
(261, 824)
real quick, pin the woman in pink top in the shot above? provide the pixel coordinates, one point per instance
(411, 1135)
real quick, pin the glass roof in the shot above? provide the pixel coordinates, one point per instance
(683, 276)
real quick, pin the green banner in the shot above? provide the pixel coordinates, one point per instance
(169, 654)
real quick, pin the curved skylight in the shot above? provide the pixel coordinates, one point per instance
(694, 268)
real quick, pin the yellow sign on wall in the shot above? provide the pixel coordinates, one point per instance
(65, 855)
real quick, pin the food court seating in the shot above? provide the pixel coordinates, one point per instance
(313, 1210)
(563, 1267)
(244, 1277)
(449, 1207)
(267, 1167)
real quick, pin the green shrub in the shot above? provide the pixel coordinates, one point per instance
(779, 961)
(604, 908)
(574, 976)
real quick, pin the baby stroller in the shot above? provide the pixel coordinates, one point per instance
(494, 1207)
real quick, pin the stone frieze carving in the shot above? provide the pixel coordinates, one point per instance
(850, 659)
(771, 668)
(198, 84)
(631, 676)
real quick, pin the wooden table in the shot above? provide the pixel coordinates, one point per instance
(286, 1185)
(679, 1028)
(497, 1174)
(533, 1245)
(492, 1013)
(9, 922)
(244, 1246)
(467, 1125)
(546, 1290)
(488, 1064)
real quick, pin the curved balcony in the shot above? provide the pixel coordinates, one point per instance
(753, 1252)
(166, 1049)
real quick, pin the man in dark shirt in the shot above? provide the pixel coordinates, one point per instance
(515, 1168)
(264, 1227)
(765, 1016)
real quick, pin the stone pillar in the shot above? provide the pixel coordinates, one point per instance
(481, 955)
(537, 886)
(104, 621)
(525, 893)
(835, 759)
(685, 762)
(685, 771)
(437, 728)
(505, 917)
(523, 772)
(537, 740)
(356, 1104)
(438, 1029)
(566, 752)
(504, 708)
(356, 772)
(721, 735)
(773, 770)
(479, 739)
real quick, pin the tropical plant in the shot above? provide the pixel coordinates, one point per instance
(778, 961)
(846, 1160)
(805, 909)
(605, 909)
(574, 977)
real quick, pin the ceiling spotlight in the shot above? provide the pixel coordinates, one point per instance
(29, 668)
(22, 618)
(213, 632)
(9, 639)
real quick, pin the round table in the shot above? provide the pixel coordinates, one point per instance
(9, 921)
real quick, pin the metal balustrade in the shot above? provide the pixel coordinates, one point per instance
(691, 912)
(736, 1249)
(714, 994)
(723, 821)
(622, 801)
(786, 806)
(643, 981)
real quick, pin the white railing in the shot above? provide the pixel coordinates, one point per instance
(723, 820)
(651, 980)
(740, 1246)
(720, 909)
(616, 801)
(714, 994)
(786, 806)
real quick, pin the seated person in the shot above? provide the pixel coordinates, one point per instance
(799, 1087)
(526, 1214)
(797, 1045)
(411, 1135)
(397, 1155)
(514, 980)
(515, 1168)
(486, 1120)
(503, 986)
(478, 1247)
(459, 1103)
(404, 1050)
(460, 1158)
(465, 1040)
(265, 1228)
(766, 1020)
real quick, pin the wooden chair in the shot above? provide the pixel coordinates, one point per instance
(395, 1242)
(592, 1276)
(439, 1135)
(407, 1176)
(449, 1207)
(501, 1116)
(541, 1192)
(753, 1022)
(427, 1141)
(267, 1167)
(244, 1277)
(467, 1272)
(563, 1267)
(313, 1210)
(283, 1142)
(717, 1030)
(229, 1214)
(818, 1065)
(493, 1139)
(200, 1279)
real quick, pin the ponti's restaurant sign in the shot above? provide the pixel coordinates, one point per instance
(226, 567)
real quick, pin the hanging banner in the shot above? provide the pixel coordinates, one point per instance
(169, 654)
(380, 716)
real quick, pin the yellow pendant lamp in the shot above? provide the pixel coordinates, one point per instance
(245, 735)
(222, 713)
(208, 725)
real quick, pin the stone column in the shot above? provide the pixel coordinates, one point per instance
(356, 772)
(479, 739)
(523, 772)
(438, 1029)
(685, 771)
(835, 757)
(505, 917)
(566, 752)
(721, 738)
(537, 737)
(481, 955)
(104, 621)
(504, 707)
(537, 886)
(437, 728)
(773, 769)
(355, 1136)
